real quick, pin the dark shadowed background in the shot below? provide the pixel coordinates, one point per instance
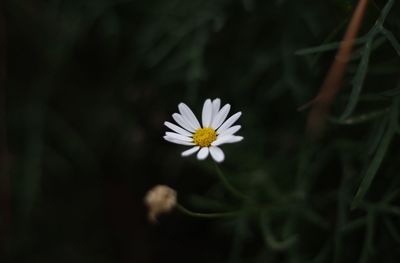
(86, 86)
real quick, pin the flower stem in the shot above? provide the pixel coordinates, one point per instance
(228, 185)
(204, 215)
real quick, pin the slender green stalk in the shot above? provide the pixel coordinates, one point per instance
(270, 239)
(369, 236)
(204, 215)
(392, 39)
(358, 81)
(377, 159)
(327, 47)
(361, 118)
(228, 185)
(359, 78)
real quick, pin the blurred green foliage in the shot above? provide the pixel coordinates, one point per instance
(89, 84)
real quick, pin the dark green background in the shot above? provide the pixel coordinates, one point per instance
(88, 84)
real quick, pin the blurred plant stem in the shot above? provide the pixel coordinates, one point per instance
(380, 153)
(228, 185)
(204, 215)
(269, 238)
(333, 81)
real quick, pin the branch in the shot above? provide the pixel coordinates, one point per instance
(321, 103)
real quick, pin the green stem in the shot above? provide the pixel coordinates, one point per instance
(360, 118)
(204, 215)
(270, 239)
(228, 185)
(376, 161)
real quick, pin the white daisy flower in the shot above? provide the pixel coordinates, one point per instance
(214, 130)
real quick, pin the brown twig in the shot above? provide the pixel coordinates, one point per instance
(333, 81)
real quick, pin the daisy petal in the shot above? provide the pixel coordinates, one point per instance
(177, 129)
(203, 153)
(229, 122)
(220, 117)
(216, 105)
(182, 122)
(188, 115)
(178, 136)
(178, 141)
(226, 139)
(217, 154)
(230, 131)
(207, 113)
(190, 151)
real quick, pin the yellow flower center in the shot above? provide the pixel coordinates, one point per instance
(203, 137)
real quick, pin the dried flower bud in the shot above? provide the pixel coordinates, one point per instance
(159, 200)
